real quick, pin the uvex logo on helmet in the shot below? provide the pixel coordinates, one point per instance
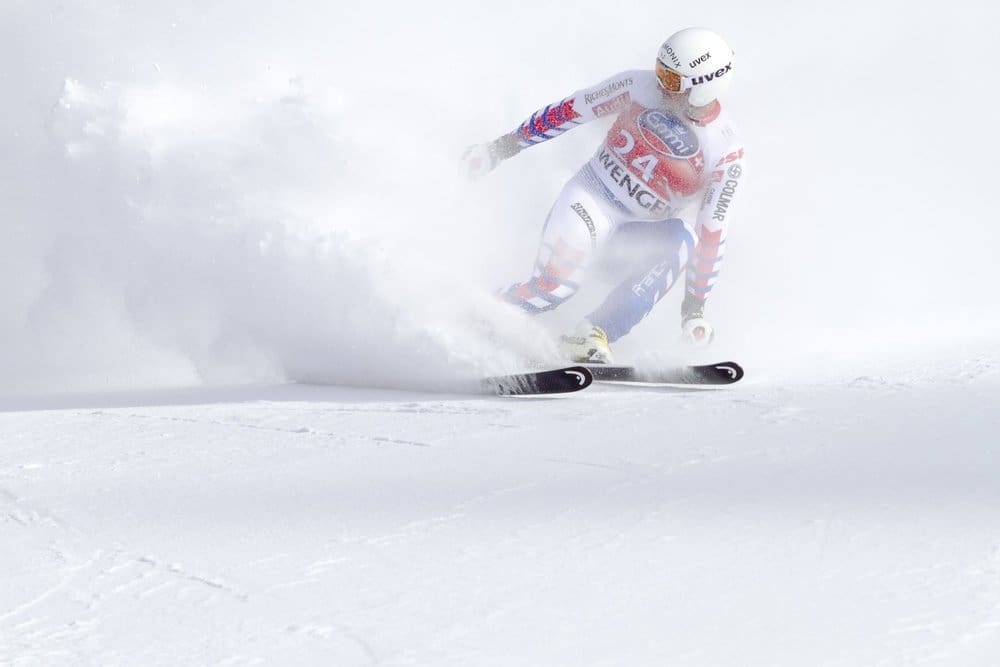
(704, 70)
(717, 74)
(697, 61)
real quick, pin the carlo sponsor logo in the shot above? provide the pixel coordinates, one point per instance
(677, 138)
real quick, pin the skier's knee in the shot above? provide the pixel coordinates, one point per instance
(539, 294)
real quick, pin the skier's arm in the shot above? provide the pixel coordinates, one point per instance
(607, 97)
(713, 221)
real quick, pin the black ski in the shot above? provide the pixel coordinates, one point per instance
(726, 372)
(558, 381)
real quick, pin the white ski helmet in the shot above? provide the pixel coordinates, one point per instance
(697, 60)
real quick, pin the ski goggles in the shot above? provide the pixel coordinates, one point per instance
(671, 80)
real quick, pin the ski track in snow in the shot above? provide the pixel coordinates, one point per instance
(846, 522)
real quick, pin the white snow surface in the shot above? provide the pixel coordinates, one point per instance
(245, 285)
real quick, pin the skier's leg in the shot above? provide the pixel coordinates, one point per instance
(659, 250)
(576, 226)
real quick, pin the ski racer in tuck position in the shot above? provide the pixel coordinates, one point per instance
(660, 191)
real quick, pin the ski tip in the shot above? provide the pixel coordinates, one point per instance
(555, 381)
(728, 370)
(579, 374)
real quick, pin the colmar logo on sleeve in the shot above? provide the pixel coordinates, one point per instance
(728, 190)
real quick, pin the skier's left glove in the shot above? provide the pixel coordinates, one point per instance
(481, 159)
(695, 329)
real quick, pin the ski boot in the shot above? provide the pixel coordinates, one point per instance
(587, 344)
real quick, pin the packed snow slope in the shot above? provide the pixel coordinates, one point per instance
(243, 280)
(850, 522)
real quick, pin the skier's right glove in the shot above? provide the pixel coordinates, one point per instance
(481, 159)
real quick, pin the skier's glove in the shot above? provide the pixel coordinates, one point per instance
(695, 329)
(697, 332)
(481, 159)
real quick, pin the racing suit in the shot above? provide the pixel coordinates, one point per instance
(660, 190)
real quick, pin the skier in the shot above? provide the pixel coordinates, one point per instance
(659, 191)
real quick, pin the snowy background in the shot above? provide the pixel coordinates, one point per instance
(203, 201)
